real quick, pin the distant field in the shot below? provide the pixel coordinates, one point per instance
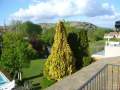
(35, 74)
(96, 46)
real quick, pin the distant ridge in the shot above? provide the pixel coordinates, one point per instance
(76, 24)
(84, 25)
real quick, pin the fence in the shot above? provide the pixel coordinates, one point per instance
(107, 78)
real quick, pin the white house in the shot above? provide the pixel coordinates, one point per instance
(111, 48)
(112, 35)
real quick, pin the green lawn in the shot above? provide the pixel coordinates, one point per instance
(96, 46)
(35, 74)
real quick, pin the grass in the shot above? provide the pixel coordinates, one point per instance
(35, 68)
(35, 74)
(96, 46)
(115, 39)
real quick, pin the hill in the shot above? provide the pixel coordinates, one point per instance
(76, 24)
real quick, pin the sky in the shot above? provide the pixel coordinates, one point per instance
(102, 13)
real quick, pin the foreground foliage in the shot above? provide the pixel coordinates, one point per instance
(28, 28)
(79, 45)
(34, 74)
(84, 50)
(16, 53)
(60, 62)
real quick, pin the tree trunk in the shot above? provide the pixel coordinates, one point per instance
(19, 76)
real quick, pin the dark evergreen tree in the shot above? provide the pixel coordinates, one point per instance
(84, 48)
(80, 46)
(73, 41)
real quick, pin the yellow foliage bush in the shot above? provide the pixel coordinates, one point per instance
(60, 62)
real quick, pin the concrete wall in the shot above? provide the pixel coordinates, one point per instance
(112, 51)
(76, 80)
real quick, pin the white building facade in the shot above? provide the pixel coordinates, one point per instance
(111, 48)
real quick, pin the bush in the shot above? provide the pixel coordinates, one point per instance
(97, 34)
(86, 60)
(79, 45)
(16, 53)
(48, 36)
(84, 47)
(60, 63)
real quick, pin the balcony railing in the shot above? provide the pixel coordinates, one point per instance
(107, 78)
(103, 74)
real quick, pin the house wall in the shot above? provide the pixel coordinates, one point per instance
(112, 51)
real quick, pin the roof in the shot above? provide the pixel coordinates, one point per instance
(113, 34)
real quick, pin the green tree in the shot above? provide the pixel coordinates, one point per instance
(48, 36)
(73, 40)
(32, 30)
(32, 33)
(97, 34)
(0, 44)
(16, 53)
(61, 62)
(28, 28)
(79, 45)
(84, 48)
(15, 25)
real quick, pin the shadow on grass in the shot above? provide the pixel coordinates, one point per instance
(36, 86)
(36, 76)
(43, 83)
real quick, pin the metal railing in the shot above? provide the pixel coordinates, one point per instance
(107, 78)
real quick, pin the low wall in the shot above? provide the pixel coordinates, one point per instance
(76, 80)
(112, 51)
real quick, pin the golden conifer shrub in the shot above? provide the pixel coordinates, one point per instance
(60, 62)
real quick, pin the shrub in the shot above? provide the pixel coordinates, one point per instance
(16, 53)
(79, 45)
(60, 62)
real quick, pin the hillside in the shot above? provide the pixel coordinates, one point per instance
(76, 24)
(73, 24)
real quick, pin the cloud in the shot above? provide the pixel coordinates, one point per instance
(105, 20)
(97, 9)
(55, 9)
